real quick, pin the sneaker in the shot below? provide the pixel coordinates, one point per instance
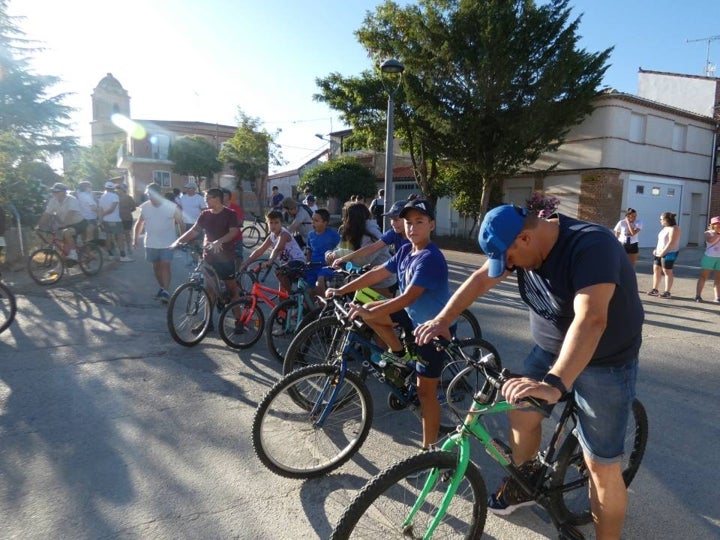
(72, 255)
(698, 299)
(666, 294)
(239, 328)
(163, 296)
(510, 496)
(157, 296)
(126, 259)
(654, 292)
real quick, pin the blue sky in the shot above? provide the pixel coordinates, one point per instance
(200, 61)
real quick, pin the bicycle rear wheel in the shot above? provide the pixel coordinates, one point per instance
(189, 314)
(570, 498)
(241, 323)
(282, 325)
(286, 436)
(382, 508)
(90, 259)
(45, 266)
(8, 307)
(251, 236)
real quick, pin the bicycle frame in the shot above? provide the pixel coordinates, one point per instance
(409, 400)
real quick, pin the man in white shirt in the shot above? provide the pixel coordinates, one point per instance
(192, 203)
(63, 211)
(159, 217)
(88, 208)
(111, 222)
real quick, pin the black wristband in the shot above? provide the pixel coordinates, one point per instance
(555, 382)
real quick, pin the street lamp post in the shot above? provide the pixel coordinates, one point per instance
(391, 76)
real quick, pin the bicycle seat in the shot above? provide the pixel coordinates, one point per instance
(292, 270)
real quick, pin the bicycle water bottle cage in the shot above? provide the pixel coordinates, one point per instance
(365, 295)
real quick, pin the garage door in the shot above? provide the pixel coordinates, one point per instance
(651, 198)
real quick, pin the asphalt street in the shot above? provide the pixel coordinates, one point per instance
(111, 430)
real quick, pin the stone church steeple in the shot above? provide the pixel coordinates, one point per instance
(108, 98)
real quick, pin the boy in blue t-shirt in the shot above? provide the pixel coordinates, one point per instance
(320, 240)
(422, 274)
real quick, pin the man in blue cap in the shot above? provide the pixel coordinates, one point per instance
(586, 319)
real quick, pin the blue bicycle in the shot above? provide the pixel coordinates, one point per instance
(317, 417)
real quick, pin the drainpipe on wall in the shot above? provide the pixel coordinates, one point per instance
(713, 164)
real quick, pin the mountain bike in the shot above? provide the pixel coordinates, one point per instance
(8, 306)
(316, 418)
(442, 493)
(321, 340)
(48, 264)
(255, 234)
(256, 274)
(242, 322)
(189, 311)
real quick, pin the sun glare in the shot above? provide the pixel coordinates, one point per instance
(132, 128)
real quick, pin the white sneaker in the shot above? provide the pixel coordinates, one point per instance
(126, 259)
(72, 255)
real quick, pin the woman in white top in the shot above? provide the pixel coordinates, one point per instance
(665, 254)
(627, 232)
(711, 260)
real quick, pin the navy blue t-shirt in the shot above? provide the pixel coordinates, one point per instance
(428, 269)
(391, 238)
(585, 254)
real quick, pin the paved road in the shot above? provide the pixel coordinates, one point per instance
(109, 430)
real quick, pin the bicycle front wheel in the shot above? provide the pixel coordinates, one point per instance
(320, 342)
(282, 325)
(90, 259)
(189, 314)
(241, 323)
(467, 326)
(569, 483)
(251, 236)
(288, 435)
(8, 307)
(45, 266)
(382, 508)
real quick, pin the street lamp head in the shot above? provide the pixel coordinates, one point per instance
(392, 66)
(321, 136)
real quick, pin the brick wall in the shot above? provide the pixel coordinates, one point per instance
(600, 197)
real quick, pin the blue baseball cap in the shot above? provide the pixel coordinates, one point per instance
(396, 208)
(421, 205)
(499, 229)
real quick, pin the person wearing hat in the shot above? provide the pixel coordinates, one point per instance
(422, 275)
(63, 212)
(300, 221)
(158, 217)
(111, 222)
(394, 237)
(586, 320)
(710, 261)
(310, 203)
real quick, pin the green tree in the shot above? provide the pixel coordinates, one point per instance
(340, 178)
(95, 164)
(32, 119)
(195, 156)
(250, 152)
(488, 85)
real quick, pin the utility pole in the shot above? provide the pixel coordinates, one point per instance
(709, 68)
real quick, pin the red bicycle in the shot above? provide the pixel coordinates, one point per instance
(48, 264)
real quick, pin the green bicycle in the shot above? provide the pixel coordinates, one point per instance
(443, 494)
